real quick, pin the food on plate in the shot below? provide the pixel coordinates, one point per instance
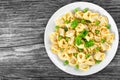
(81, 38)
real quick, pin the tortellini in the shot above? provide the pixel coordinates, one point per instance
(61, 32)
(104, 20)
(60, 22)
(73, 61)
(81, 57)
(81, 38)
(79, 14)
(83, 66)
(54, 37)
(99, 56)
(68, 16)
(70, 33)
(62, 43)
(55, 48)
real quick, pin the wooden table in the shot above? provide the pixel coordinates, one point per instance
(22, 51)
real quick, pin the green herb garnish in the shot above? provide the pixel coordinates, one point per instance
(77, 66)
(66, 62)
(107, 26)
(87, 56)
(62, 49)
(83, 33)
(76, 10)
(88, 21)
(82, 21)
(85, 10)
(97, 31)
(89, 43)
(65, 28)
(97, 61)
(67, 38)
(56, 28)
(59, 37)
(74, 23)
(75, 54)
(98, 48)
(67, 21)
(78, 40)
(103, 40)
(97, 23)
(81, 50)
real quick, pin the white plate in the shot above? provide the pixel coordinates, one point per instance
(50, 28)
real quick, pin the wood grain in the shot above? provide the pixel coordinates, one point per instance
(22, 51)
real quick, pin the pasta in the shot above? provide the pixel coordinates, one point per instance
(81, 38)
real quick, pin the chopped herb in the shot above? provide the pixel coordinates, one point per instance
(82, 21)
(59, 37)
(97, 61)
(56, 28)
(76, 10)
(67, 38)
(65, 28)
(103, 40)
(98, 48)
(77, 66)
(87, 56)
(81, 50)
(88, 21)
(97, 31)
(75, 54)
(108, 26)
(89, 43)
(66, 62)
(67, 21)
(97, 23)
(85, 10)
(83, 33)
(62, 49)
(74, 23)
(78, 40)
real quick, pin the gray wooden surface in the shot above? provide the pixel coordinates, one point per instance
(22, 51)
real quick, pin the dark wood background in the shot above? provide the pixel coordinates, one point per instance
(22, 51)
